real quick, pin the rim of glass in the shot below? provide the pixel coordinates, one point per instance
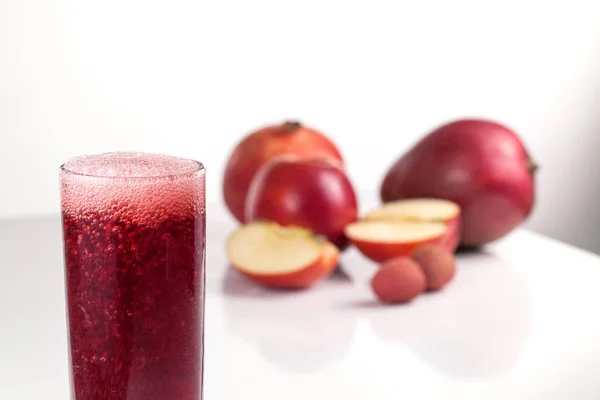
(198, 167)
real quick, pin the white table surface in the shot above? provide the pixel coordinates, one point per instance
(520, 321)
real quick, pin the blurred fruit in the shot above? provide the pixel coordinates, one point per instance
(479, 164)
(384, 240)
(422, 210)
(477, 333)
(311, 193)
(437, 263)
(280, 257)
(398, 280)
(259, 146)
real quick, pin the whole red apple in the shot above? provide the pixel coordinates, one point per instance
(311, 193)
(479, 164)
(258, 147)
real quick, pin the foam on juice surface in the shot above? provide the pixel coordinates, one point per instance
(141, 187)
(134, 247)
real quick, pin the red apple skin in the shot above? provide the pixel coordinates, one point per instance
(258, 147)
(479, 164)
(304, 278)
(382, 252)
(311, 193)
(451, 240)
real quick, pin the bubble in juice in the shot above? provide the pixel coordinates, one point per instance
(134, 237)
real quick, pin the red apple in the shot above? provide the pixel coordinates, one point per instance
(423, 210)
(479, 164)
(259, 146)
(383, 240)
(281, 257)
(312, 193)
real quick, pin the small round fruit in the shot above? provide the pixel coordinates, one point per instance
(398, 280)
(437, 263)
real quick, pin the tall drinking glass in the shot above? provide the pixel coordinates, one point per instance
(134, 246)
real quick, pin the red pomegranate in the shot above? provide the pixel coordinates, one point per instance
(288, 138)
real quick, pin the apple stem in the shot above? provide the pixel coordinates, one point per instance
(532, 166)
(291, 126)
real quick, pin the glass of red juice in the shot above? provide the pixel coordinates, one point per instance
(134, 251)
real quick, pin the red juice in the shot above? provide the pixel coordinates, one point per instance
(134, 237)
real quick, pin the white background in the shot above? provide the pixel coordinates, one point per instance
(191, 77)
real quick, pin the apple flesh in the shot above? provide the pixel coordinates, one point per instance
(423, 210)
(383, 240)
(256, 148)
(281, 257)
(312, 193)
(478, 164)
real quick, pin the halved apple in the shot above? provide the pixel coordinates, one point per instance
(384, 240)
(423, 210)
(281, 257)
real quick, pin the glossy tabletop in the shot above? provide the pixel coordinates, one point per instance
(519, 322)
